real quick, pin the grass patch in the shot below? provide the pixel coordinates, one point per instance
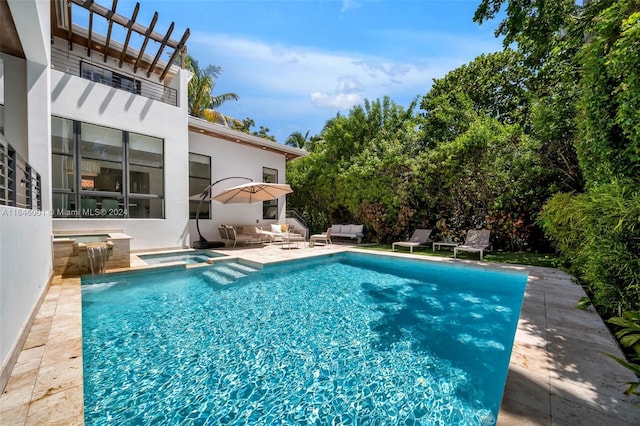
(519, 258)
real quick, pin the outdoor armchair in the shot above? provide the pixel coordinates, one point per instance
(324, 238)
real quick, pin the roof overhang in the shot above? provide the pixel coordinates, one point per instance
(204, 127)
(9, 39)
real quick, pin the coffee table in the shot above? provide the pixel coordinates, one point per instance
(288, 239)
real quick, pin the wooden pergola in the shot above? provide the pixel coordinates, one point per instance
(62, 27)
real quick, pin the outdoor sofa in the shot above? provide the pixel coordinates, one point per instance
(233, 235)
(351, 231)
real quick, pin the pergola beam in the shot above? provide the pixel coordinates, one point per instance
(90, 33)
(146, 40)
(181, 44)
(108, 17)
(138, 59)
(70, 29)
(163, 43)
(128, 38)
(122, 20)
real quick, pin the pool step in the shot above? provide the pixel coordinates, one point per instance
(241, 267)
(227, 272)
(215, 278)
(230, 271)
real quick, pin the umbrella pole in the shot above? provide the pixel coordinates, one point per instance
(202, 241)
(201, 238)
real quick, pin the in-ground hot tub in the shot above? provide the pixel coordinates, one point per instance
(70, 251)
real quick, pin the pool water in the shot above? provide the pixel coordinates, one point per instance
(188, 257)
(349, 339)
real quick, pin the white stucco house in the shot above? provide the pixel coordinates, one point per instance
(89, 124)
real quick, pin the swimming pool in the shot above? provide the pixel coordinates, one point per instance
(345, 339)
(188, 257)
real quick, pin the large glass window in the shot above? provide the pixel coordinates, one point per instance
(199, 179)
(100, 172)
(270, 208)
(146, 176)
(63, 155)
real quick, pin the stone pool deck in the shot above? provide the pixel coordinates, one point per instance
(558, 374)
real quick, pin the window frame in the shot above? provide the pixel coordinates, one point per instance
(267, 205)
(124, 197)
(208, 181)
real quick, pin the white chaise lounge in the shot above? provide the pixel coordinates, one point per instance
(419, 238)
(477, 241)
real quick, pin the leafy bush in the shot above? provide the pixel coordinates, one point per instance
(628, 334)
(598, 234)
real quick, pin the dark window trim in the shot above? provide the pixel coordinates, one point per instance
(266, 205)
(76, 195)
(193, 202)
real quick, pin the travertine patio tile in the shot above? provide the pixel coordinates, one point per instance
(26, 366)
(36, 339)
(59, 377)
(58, 353)
(30, 354)
(566, 412)
(63, 408)
(43, 323)
(513, 413)
(528, 386)
(18, 391)
(14, 416)
(61, 325)
(530, 357)
(531, 328)
(597, 339)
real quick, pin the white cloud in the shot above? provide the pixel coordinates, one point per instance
(288, 84)
(349, 84)
(301, 71)
(341, 101)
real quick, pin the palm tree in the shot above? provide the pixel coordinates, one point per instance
(202, 102)
(296, 139)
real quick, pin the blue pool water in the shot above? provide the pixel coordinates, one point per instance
(349, 339)
(189, 257)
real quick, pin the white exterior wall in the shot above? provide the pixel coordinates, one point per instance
(83, 100)
(25, 267)
(25, 235)
(234, 159)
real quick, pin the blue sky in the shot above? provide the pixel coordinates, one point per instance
(296, 63)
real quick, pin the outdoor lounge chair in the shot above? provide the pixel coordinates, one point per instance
(317, 238)
(419, 238)
(224, 236)
(477, 241)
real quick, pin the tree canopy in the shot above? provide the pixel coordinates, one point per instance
(202, 102)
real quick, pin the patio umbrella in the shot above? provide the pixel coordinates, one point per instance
(252, 192)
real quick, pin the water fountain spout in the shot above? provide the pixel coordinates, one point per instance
(98, 255)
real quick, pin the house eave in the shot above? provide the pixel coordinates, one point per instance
(204, 127)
